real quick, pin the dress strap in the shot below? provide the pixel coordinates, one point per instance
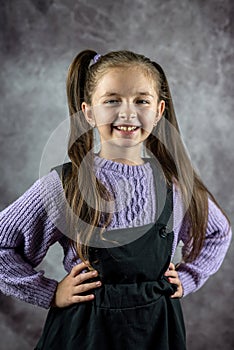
(62, 169)
(164, 198)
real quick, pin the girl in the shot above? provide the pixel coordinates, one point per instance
(125, 214)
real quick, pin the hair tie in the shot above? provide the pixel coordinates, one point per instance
(95, 59)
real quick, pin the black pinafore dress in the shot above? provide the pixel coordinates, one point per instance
(132, 310)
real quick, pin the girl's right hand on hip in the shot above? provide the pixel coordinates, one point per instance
(70, 290)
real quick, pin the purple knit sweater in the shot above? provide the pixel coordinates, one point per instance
(35, 221)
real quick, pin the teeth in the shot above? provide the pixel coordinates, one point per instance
(126, 128)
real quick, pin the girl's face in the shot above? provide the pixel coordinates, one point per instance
(124, 98)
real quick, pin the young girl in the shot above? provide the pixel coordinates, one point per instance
(127, 207)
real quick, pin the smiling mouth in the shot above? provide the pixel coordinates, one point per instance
(126, 128)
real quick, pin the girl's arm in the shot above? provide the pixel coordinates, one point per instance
(26, 233)
(218, 237)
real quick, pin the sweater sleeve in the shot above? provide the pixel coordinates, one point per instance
(218, 237)
(27, 230)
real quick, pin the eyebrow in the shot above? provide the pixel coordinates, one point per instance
(108, 94)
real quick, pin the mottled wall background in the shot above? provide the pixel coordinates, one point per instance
(193, 42)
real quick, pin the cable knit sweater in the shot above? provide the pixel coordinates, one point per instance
(35, 221)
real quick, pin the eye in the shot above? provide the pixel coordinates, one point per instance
(111, 102)
(143, 102)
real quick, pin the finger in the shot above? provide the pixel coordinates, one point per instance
(178, 293)
(82, 288)
(82, 277)
(171, 266)
(78, 268)
(171, 273)
(82, 298)
(174, 280)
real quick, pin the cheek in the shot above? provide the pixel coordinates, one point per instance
(103, 116)
(147, 120)
(105, 131)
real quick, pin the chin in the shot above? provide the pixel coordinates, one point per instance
(125, 145)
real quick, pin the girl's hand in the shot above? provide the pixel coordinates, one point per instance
(173, 277)
(69, 289)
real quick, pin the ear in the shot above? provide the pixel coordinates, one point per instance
(160, 110)
(87, 111)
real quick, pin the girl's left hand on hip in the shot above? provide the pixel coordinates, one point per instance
(173, 277)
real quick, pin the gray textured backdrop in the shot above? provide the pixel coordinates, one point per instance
(192, 41)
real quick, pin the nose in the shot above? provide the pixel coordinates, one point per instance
(127, 111)
(124, 115)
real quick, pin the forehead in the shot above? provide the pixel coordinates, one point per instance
(125, 80)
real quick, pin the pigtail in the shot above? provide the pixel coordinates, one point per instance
(169, 149)
(81, 137)
(162, 141)
(76, 79)
(84, 193)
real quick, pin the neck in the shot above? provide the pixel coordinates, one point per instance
(126, 156)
